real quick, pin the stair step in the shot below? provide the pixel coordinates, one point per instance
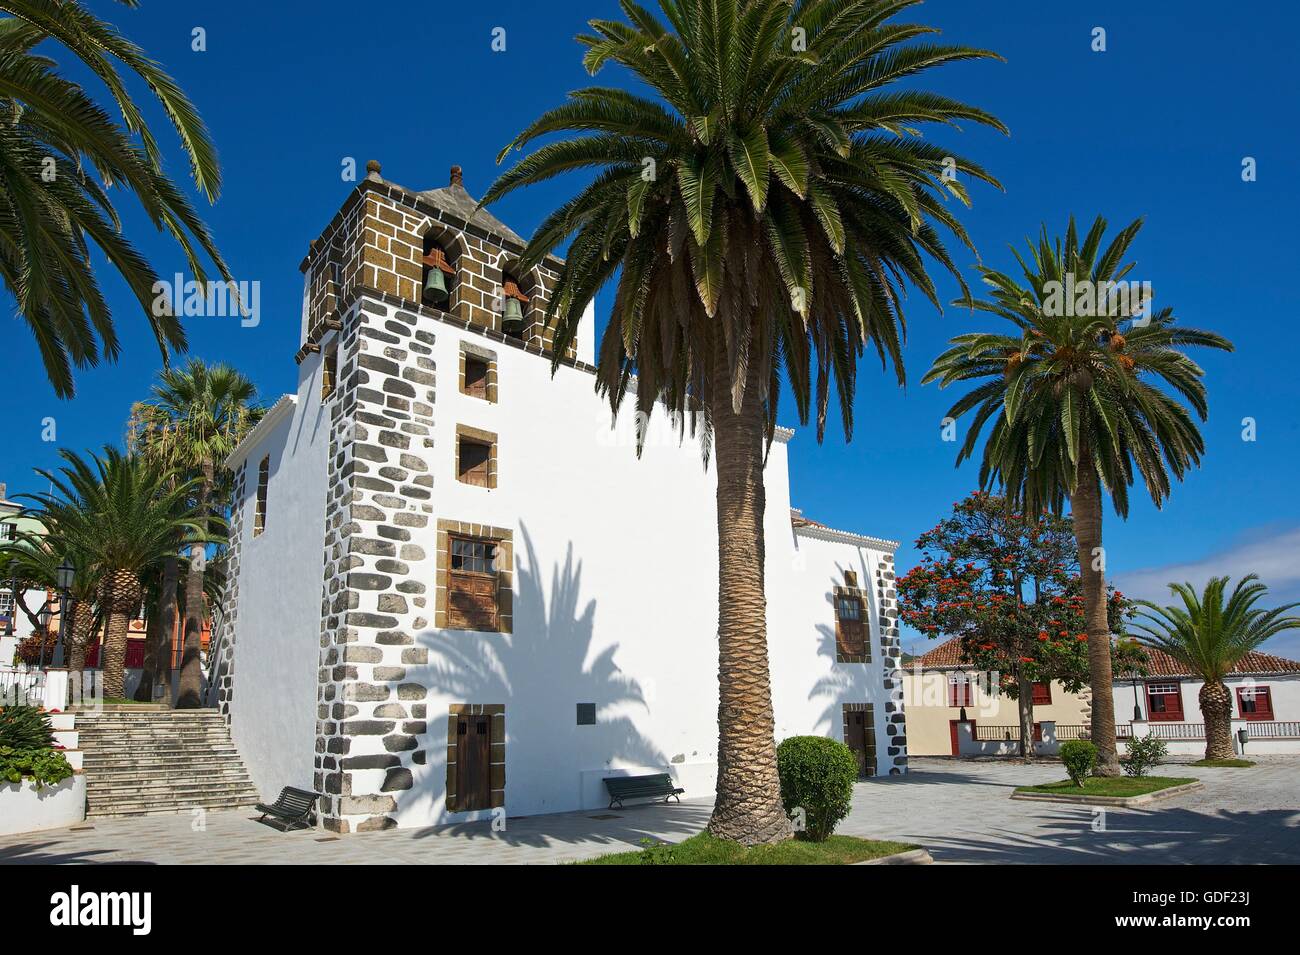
(144, 761)
(165, 810)
(176, 795)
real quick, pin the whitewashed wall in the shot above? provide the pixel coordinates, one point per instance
(1284, 690)
(273, 711)
(615, 603)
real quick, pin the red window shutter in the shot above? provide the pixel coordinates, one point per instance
(1042, 694)
(1255, 703)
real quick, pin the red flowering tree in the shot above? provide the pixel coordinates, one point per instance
(1008, 585)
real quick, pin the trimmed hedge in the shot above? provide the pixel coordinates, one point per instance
(1079, 757)
(817, 776)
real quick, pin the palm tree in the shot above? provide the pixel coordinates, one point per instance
(122, 514)
(56, 144)
(1077, 406)
(34, 559)
(760, 217)
(193, 421)
(1210, 638)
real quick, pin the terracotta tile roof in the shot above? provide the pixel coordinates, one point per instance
(948, 655)
(1162, 664)
(798, 520)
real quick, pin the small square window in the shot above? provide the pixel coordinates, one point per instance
(473, 556)
(473, 462)
(329, 371)
(586, 714)
(476, 377)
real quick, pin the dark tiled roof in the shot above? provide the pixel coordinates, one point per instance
(458, 202)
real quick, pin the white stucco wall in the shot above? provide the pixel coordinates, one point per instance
(615, 598)
(1283, 688)
(273, 714)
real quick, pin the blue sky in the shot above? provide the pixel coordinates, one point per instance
(1156, 126)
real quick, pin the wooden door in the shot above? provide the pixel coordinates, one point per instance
(473, 762)
(857, 739)
(952, 733)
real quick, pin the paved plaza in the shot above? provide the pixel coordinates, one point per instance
(959, 810)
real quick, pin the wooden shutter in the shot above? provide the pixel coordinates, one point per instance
(473, 762)
(476, 376)
(1165, 702)
(1042, 694)
(474, 458)
(1254, 703)
(471, 584)
(850, 629)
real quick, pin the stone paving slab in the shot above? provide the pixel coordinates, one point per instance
(962, 812)
(959, 810)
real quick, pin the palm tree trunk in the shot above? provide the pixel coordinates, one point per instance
(144, 690)
(81, 626)
(748, 807)
(1085, 508)
(122, 600)
(171, 573)
(189, 692)
(1216, 710)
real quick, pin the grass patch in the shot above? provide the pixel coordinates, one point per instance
(1108, 786)
(123, 701)
(1225, 763)
(705, 849)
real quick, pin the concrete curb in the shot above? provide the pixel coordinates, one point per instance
(1121, 801)
(910, 857)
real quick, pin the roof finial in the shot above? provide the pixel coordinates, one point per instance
(457, 179)
(372, 169)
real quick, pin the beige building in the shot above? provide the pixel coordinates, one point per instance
(954, 710)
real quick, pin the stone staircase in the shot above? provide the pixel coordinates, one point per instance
(145, 760)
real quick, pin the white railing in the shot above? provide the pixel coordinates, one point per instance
(1178, 730)
(20, 685)
(1274, 730)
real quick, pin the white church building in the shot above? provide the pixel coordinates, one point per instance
(453, 587)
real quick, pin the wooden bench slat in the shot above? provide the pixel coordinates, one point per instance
(293, 806)
(637, 787)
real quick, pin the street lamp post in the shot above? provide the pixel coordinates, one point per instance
(43, 615)
(66, 572)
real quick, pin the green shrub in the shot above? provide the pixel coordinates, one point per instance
(1144, 753)
(817, 777)
(25, 727)
(43, 766)
(1079, 757)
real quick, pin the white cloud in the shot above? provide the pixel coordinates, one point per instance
(1273, 553)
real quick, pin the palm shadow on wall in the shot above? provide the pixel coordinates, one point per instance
(846, 683)
(541, 672)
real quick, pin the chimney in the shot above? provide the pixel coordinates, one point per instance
(3, 489)
(457, 179)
